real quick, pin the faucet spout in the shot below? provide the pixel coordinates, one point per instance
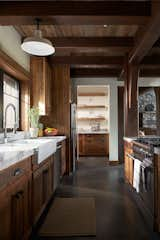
(5, 119)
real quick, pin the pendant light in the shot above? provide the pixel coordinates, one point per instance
(37, 45)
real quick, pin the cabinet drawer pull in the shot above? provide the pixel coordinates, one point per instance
(17, 172)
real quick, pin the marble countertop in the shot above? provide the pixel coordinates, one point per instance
(16, 151)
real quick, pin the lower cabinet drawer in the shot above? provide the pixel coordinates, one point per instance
(14, 172)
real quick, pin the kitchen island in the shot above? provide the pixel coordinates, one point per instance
(28, 179)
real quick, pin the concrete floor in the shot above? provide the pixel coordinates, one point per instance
(117, 215)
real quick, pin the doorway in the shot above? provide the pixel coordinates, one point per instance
(93, 121)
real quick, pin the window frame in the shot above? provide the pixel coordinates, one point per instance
(2, 72)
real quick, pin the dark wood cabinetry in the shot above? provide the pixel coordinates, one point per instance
(25, 190)
(41, 84)
(129, 164)
(93, 144)
(15, 202)
(42, 187)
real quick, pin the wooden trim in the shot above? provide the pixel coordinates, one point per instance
(91, 94)
(113, 162)
(86, 107)
(13, 68)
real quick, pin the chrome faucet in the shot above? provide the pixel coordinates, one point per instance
(5, 121)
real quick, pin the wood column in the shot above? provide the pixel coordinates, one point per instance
(131, 100)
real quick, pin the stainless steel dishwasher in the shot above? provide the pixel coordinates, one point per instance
(57, 167)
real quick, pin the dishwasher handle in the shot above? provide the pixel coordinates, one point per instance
(59, 146)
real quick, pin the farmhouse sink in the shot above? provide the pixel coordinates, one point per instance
(17, 150)
(43, 147)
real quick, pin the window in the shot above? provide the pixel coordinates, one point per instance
(10, 93)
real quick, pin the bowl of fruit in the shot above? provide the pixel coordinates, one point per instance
(50, 131)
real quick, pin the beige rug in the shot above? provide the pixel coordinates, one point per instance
(70, 217)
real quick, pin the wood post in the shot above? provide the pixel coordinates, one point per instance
(131, 99)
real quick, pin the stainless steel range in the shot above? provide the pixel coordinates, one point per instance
(143, 151)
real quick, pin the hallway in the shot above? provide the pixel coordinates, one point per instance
(116, 214)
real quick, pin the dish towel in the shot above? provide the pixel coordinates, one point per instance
(136, 174)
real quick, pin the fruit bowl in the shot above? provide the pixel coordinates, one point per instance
(52, 132)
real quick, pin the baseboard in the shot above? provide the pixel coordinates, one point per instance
(113, 162)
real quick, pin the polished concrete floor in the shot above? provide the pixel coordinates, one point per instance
(117, 215)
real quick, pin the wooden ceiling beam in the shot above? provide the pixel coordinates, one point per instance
(91, 42)
(150, 72)
(88, 60)
(148, 37)
(151, 60)
(97, 72)
(104, 72)
(77, 12)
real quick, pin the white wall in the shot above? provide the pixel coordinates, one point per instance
(113, 121)
(10, 43)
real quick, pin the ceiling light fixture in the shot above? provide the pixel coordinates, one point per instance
(37, 45)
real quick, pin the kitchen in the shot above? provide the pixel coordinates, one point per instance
(92, 95)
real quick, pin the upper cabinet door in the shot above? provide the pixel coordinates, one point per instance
(41, 84)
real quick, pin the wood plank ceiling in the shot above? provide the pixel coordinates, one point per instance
(92, 36)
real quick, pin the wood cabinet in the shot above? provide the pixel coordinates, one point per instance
(93, 144)
(15, 202)
(63, 158)
(129, 163)
(25, 190)
(42, 187)
(41, 84)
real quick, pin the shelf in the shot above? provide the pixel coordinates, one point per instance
(92, 106)
(94, 118)
(92, 94)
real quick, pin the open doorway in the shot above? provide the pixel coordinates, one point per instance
(93, 122)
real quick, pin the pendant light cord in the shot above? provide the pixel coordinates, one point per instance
(37, 20)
